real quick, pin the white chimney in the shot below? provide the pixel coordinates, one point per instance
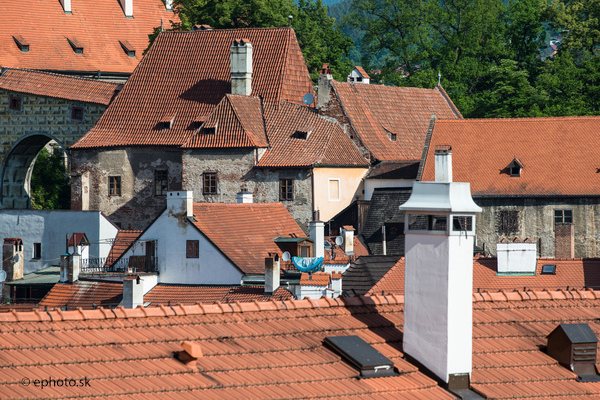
(244, 196)
(169, 5)
(438, 287)
(317, 234)
(127, 6)
(241, 67)
(516, 258)
(66, 4)
(443, 164)
(272, 274)
(348, 235)
(181, 202)
(133, 292)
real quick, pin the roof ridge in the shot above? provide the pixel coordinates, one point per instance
(521, 119)
(455, 109)
(530, 295)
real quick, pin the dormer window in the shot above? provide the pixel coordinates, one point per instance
(167, 122)
(301, 134)
(76, 45)
(515, 167)
(210, 128)
(22, 43)
(197, 124)
(391, 135)
(128, 48)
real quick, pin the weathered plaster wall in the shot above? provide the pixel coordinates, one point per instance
(350, 185)
(536, 221)
(46, 118)
(138, 205)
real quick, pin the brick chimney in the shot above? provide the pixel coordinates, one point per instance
(241, 67)
(66, 4)
(564, 240)
(272, 274)
(127, 6)
(181, 202)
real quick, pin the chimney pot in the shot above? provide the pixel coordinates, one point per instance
(193, 349)
(244, 196)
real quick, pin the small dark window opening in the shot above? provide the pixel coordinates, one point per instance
(192, 249)
(508, 222)
(286, 189)
(437, 223)
(563, 216)
(77, 113)
(210, 130)
(166, 124)
(462, 223)
(76, 45)
(209, 185)
(393, 137)
(21, 43)
(37, 251)
(160, 182)
(15, 103)
(114, 186)
(128, 48)
(548, 269)
(359, 79)
(515, 171)
(301, 134)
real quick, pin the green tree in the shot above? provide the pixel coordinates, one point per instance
(50, 182)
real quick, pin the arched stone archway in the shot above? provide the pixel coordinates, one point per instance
(17, 169)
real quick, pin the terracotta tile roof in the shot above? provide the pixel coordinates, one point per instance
(570, 273)
(77, 239)
(394, 170)
(123, 240)
(237, 228)
(98, 24)
(483, 149)
(17, 307)
(188, 74)
(181, 294)
(324, 144)
(365, 272)
(83, 294)
(376, 112)
(58, 86)
(315, 279)
(237, 122)
(249, 350)
(361, 71)
(339, 255)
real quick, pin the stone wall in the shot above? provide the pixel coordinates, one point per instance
(534, 218)
(137, 206)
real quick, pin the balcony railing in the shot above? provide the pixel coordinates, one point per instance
(130, 265)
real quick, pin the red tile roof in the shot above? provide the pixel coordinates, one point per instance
(188, 74)
(123, 240)
(98, 24)
(78, 238)
(83, 294)
(361, 71)
(339, 255)
(570, 273)
(238, 122)
(180, 294)
(249, 350)
(237, 228)
(315, 279)
(377, 111)
(557, 147)
(58, 86)
(325, 144)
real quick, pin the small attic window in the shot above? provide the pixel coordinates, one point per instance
(22, 43)
(361, 355)
(393, 137)
(210, 128)
(359, 79)
(301, 134)
(198, 121)
(167, 122)
(549, 269)
(76, 45)
(514, 168)
(128, 48)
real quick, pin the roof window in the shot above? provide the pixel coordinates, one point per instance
(22, 43)
(302, 133)
(76, 45)
(370, 362)
(515, 167)
(549, 269)
(128, 48)
(210, 128)
(166, 122)
(201, 28)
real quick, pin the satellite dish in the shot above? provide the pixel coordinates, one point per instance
(308, 99)
(339, 240)
(286, 256)
(2, 276)
(17, 257)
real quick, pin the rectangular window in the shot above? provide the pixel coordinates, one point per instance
(14, 103)
(563, 216)
(192, 247)
(427, 222)
(508, 222)
(286, 189)
(37, 251)
(462, 223)
(160, 183)
(334, 189)
(114, 185)
(209, 183)
(77, 113)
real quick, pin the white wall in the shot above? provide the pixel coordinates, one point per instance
(372, 184)
(171, 234)
(50, 228)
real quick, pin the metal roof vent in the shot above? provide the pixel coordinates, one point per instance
(370, 362)
(574, 347)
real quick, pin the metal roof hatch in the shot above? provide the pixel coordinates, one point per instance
(370, 362)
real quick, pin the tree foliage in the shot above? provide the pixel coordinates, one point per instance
(50, 183)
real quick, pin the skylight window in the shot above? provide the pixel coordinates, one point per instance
(549, 269)
(76, 45)
(301, 134)
(22, 43)
(128, 48)
(361, 355)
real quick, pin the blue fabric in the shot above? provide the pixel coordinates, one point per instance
(308, 264)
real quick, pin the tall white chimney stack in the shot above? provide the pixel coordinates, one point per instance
(317, 234)
(66, 4)
(241, 67)
(272, 274)
(127, 7)
(438, 287)
(181, 202)
(443, 164)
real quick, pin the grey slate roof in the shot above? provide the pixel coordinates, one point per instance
(365, 272)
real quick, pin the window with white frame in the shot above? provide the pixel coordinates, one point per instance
(334, 189)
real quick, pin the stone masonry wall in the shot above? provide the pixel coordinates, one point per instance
(535, 217)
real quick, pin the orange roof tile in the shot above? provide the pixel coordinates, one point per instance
(123, 240)
(181, 294)
(98, 24)
(545, 146)
(362, 72)
(58, 86)
(315, 279)
(376, 112)
(83, 294)
(236, 228)
(188, 74)
(325, 142)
